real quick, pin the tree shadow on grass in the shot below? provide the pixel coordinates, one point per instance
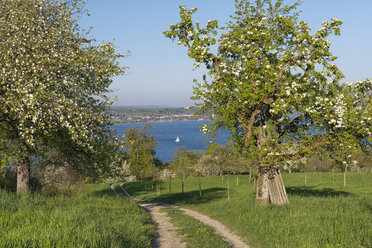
(189, 197)
(310, 191)
(139, 188)
(192, 197)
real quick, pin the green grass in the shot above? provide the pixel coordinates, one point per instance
(322, 214)
(195, 233)
(95, 219)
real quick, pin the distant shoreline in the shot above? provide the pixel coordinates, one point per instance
(143, 115)
(148, 122)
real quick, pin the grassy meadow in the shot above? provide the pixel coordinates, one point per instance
(95, 219)
(323, 213)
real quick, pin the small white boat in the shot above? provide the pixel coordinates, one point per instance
(178, 139)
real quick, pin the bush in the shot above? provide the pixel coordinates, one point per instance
(207, 166)
(51, 190)
(219, 160)
(59, 180)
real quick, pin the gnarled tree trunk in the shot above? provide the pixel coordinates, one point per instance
(23, 175)
(270, 187)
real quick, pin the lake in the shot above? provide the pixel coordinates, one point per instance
(166, 134)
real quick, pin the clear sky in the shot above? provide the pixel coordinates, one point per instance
(161, 73)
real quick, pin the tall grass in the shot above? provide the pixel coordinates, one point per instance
(322, 214)
(95, 219)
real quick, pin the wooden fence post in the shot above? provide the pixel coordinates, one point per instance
(228, 189)
(345, 176)
(182, 181)
(200, 191)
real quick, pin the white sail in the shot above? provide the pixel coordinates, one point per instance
(178, 139)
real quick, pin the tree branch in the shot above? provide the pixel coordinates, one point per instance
(285, 66)
(293, 126)
(248, 126)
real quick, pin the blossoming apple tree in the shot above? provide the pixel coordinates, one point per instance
(272, 82)
(53, 81)
(344, 119)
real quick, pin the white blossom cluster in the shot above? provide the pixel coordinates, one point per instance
(167, 174)
(334, 109)
(51, 77)
(204, 129)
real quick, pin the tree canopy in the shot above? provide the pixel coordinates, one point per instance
(272, 81)
(183, 161)
(219, 160)
(54, 79)
(140, 148)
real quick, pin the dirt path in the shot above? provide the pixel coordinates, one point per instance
(167, 233)
(219, 228)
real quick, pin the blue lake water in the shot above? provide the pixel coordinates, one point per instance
(166, 133)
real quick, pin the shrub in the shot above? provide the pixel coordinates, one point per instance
(59, 180)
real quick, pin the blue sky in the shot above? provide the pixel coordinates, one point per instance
(160, 73)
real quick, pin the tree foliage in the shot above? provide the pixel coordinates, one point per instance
(273, 82)
(183, 161)
(54, 80)
(219, 160)
(140, 148)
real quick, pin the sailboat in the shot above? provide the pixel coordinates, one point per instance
(178, 139)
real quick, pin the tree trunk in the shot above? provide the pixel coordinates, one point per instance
(182, 181)
(345, 176)
(270, 187)
(228, 189)
(200, 191)
(23, 175)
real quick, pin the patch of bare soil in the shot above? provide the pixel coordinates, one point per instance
(219, 228)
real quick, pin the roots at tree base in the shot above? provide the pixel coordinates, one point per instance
(270, 187)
